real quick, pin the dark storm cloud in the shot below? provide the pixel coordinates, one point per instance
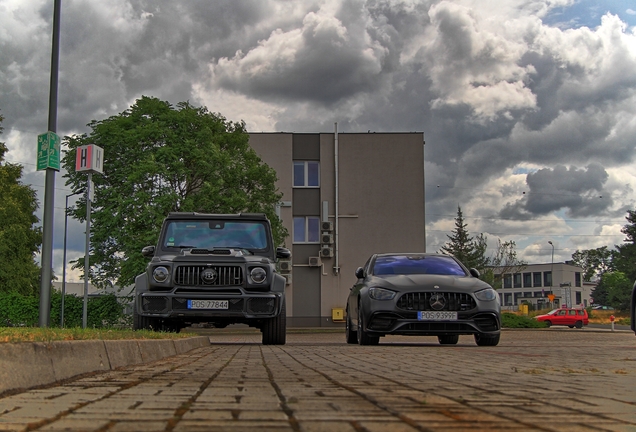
(579, 191)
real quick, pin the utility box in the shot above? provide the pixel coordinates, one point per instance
(337, 314)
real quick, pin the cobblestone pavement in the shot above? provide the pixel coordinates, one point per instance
(548, 380)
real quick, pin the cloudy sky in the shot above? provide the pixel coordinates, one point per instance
(527, 106)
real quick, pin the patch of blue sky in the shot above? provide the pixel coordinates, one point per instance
(523, 170)
(588, 13)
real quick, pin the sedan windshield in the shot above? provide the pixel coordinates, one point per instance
(215, 234)
(417, 264)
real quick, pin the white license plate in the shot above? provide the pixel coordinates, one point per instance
(207, 304)
(436, 316)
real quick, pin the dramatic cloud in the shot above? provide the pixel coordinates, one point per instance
(528, 115)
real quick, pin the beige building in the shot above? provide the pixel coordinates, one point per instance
(536, 282)
(345, 197)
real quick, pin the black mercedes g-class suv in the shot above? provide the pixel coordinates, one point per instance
(215, 269)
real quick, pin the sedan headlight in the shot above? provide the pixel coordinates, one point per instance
(160, 274)
(258, 275)
(487, 294)
(381, 294)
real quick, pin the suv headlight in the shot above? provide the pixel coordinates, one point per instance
(487, 294)
(160, 274)
(258, 275)
(381, 294)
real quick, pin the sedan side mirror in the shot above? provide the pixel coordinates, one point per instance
(475, 273)
(283, 253)
(360, 273)
(148, 251)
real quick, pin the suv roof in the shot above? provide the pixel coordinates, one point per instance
(196, 215)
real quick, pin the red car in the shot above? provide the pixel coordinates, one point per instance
(570, 317)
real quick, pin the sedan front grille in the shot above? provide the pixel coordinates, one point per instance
(192, 276)
(421, 301)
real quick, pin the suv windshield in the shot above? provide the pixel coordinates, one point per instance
(215, 234)
(417, 264)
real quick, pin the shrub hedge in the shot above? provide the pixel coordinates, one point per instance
(510, 320)
(104, 311)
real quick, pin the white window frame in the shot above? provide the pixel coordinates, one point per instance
(306, 230)
(305, 174)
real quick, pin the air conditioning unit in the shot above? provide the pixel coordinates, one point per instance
(285, 266)
(288, 279)
(326, 226)
(326, 252)
(314, 262)
(327, 238)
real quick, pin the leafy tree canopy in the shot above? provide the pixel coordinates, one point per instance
(19, 238)
(614, 289)
(594, 262)
(160, 158)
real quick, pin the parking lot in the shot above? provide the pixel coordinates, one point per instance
(548, 380)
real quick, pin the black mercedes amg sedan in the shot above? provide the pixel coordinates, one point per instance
(421, 294)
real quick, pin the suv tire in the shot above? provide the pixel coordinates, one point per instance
(352, 336)
(363, 337)
(274, 329)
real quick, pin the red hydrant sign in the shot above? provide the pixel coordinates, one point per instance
(89, 158)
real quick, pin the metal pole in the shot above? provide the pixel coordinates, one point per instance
(46, 274)
(64, 259)
(551, 268)
(88, 245)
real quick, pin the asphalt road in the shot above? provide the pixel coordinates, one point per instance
(535, 380)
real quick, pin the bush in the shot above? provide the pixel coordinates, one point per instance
(510, 320)
(104, 311)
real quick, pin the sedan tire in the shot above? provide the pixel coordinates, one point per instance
(363, 337)
(352, 336)
(448, 339)
(483, 340)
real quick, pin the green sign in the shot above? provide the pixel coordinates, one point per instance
(48, 151)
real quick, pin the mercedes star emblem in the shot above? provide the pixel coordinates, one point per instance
(437, 302)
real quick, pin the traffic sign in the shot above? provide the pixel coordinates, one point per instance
(48, 151)
(89, 158)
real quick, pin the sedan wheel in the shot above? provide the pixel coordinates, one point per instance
(351, 336)
(483, 340)
(363, 336)
(448, 339)
(548, 323)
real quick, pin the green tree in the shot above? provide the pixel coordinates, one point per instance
(470, 251)
(625, 260)
(595, 262)
(20, 240)
(160, 158)
(617, 290)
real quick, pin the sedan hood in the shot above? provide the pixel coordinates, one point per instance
(403, 283)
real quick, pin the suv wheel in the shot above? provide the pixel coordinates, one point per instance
(483, 340)
(144, 323)
(448, 339)
(578, 324)
(352, 336)
(363, 337)
(275, 329)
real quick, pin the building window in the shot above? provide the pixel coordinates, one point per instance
(537, 294)
(527, 280)
(306, 174)
(536, 279)
(578, 297)
(517, 295)
(577, 279)
(508, 299)
(306, 229)
(507, 281)
(517, 280)
(547, 279)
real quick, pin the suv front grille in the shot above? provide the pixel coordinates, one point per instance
(193, 276)
(422, 301)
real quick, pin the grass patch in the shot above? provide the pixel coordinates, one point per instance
(36, 334)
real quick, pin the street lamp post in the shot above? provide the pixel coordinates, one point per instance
(64, 263)
(551, 267)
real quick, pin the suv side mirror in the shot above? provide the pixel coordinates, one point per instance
(475, 273)
(360, 273)
(283, 253)
(148, 251)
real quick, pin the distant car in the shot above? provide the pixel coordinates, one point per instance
(571, 317)
(420, 294)
(599, 307)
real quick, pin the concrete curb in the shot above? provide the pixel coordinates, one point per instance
(29, 364)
